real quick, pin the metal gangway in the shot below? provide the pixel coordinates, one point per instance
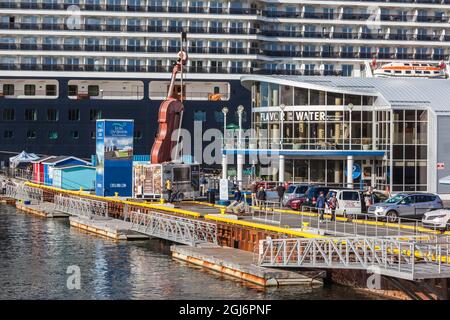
(81, 207)
(25, 193)
(174, 228)
(266, 212)
(411, 258)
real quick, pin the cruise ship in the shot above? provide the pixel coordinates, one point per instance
(64, 64)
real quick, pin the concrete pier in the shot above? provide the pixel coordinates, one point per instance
(239, 264)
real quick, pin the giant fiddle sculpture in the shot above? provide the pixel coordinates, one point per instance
(170, 114)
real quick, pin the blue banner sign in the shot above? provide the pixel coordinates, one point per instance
(114, 151)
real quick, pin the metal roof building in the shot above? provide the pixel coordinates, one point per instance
(395, 92)
(391, 133)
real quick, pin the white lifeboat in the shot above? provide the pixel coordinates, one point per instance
(410, 70)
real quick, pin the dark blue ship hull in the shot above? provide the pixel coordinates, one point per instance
(144, 112)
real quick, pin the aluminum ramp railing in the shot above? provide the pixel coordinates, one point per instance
(169, 227)
(25, 193)
(411, 259)
(81, 207)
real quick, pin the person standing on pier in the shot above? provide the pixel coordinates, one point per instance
(169, 190)
(261, 196)
(238, 195)
(254, 190)
(321, 206)
(332, 204)
(203, 185)
(3, 186)
(280, 191)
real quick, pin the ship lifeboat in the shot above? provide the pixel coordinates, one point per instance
(410, 70)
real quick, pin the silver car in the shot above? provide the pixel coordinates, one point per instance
(406, 205)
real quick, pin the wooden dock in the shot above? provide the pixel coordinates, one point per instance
(106, 227)
(7, 200)
(239, 264)
(45, 210)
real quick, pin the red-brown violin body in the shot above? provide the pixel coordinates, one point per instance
(169, 119)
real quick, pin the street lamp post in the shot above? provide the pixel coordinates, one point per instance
(240, 156)
(350, 161)
(240, 112)
(224, 156)
(350, 108)
(282, 107)
(224, 111)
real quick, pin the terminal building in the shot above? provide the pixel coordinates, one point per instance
(392, 134)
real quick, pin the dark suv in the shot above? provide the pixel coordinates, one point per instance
(310, 198)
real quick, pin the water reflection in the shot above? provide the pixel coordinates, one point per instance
(35, 254)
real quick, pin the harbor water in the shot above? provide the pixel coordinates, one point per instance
(38, 257)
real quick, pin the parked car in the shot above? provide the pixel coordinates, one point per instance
(293, 191)
(309, 199)
(352, 202)
(437, 219)
(349, 202)
(408, 205)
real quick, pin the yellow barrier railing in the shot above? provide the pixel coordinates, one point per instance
(117, 200)
(263, 227)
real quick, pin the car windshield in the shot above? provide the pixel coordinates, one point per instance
(290, 189)
(310, 191)
(302, 189)
(395, 199)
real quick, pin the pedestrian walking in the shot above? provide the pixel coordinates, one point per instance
(280, 191)
(254, 190)
(369, 197)
(320, 204)
(237, 195)
(203, 185)
(261, 196)
(236, 203)
(332, 204)
(3, 186)
(169, 190)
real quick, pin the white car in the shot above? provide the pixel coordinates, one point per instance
(437, 219)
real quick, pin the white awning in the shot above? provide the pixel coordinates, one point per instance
(22, 157)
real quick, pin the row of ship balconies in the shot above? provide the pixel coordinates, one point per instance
(163, 69)
(265, 12)
(343, 53)
(413, 35)
(348, 16)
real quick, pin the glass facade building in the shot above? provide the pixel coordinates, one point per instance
(382, 131)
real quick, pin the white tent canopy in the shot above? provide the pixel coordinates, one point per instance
(22, 157)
